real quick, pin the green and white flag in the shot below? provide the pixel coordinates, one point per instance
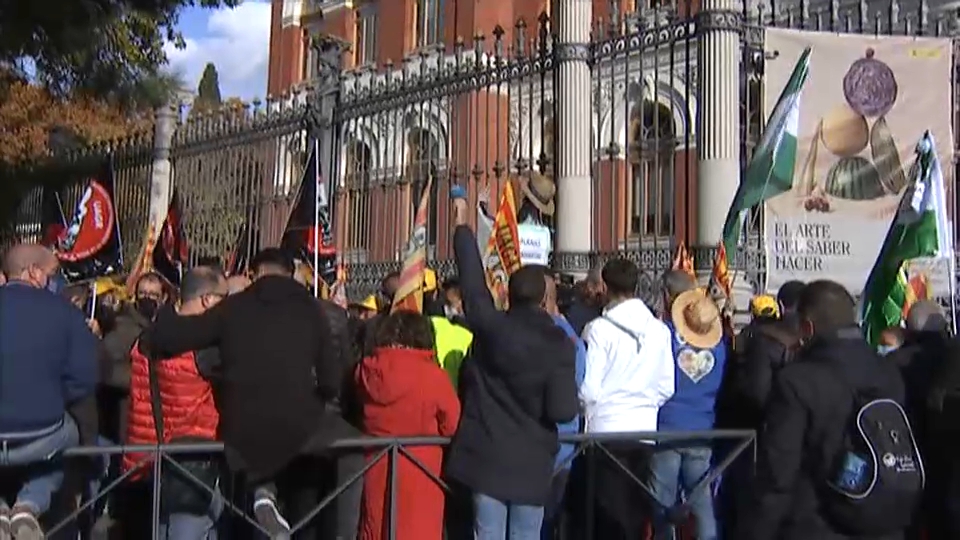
(770, 171)
(920, 229)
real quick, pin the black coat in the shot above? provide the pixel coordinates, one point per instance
(803, 431)
(517, 384)
(280, 375)
(581, 313)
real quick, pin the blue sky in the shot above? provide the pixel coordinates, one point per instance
(235, 40)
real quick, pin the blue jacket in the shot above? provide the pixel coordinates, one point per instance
(573, 426)
(698, 375)
(48, 358)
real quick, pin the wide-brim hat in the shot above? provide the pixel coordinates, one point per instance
(697, 319)
(540, 191)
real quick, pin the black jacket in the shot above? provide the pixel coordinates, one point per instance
(517, 384)
(279, 374)
(581, 313)
(803, 431)
(919, 360)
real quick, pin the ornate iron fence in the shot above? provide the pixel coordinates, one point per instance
(161, 461)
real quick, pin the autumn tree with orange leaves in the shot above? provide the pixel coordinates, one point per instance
(29, 112)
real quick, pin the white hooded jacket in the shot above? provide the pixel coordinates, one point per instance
(630, 371)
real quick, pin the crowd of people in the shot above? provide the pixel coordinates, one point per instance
(286, 381)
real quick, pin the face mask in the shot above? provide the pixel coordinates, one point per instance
(450, 312)
(147, 307)
(56, 283)
(884, 350)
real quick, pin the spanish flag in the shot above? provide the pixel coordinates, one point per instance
(409, 296)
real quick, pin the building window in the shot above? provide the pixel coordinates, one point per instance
(365, 37)
(652, 147)
(423, 157)
(429, 21)
(309, 70)
(358, 169)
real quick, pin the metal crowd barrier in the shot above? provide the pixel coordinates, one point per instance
(392, 448)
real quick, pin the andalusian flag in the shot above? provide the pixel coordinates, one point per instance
(683, 261)
(920, 229)
(770, 171)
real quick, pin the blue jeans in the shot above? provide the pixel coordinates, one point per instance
(36, 452)
(494, 519)
(182, 526)
(675, 468)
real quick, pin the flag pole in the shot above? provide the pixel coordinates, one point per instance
(316, 220)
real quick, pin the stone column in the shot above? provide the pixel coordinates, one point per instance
(718, 115)
(161, 174)
(572, 90)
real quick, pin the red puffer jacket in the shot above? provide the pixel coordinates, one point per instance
(186, 397)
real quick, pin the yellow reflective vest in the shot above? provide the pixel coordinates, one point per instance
(452, 343)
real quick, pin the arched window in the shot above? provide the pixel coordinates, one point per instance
(359, 161)
(423, 156)
(653, 142)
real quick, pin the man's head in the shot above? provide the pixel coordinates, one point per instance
(549, 303)
(272, 262)
(825, 307)
(789, 296)
(452, 300)
(891, 338)
(675, 283)
(926, 316)
(200, 289)
(149, 294)
(237, 283)
(527, 286)
(35, 265)
(620, 278)
(593, 289)
(389, 285)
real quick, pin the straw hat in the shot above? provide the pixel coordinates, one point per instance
(540, 191)
(697, 319)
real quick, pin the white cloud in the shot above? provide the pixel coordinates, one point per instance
(237, 41)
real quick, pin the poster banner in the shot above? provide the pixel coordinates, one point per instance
(866, 103)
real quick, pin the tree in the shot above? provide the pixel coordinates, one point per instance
(208, 91)
(103, 48)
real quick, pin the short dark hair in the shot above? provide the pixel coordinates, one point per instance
(274, 259)
(788, 296)
(621, 277)
(828, 305)
(527, 286)
(386, 279)
(406, 329)
(199, 281)
(452, 282)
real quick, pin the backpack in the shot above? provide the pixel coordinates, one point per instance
(875, 481)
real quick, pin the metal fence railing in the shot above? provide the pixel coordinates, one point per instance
(591, 446)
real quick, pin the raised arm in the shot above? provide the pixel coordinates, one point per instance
(173, 334)
(478, 305)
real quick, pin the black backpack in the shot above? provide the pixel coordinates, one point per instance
(874, 483)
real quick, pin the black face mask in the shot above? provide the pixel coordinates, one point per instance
(147, 307)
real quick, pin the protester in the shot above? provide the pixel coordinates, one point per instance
(453, 301)
(188, 409)
(365, 309)
(809, 412)
(48, 361)
(388, 287)
(926, 346)
(553, 511)
(453, 339)
(519, 382)
(404, 393)
(764, 307)
(237, 283)
(279, 385)
(587, 305)
(700, 350)
(890, 339)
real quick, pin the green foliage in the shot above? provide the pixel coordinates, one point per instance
(102, 48)
(208, 91)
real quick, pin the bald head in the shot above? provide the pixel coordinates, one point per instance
(31, 263)
(926, 316)
(675, 283)
(236, 284)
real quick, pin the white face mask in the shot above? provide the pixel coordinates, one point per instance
(450, 312)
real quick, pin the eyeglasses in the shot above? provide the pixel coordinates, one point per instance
(153, 295)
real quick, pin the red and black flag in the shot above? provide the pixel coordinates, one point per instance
(238, 260)
(52, 222)
(171, 253)
(90, 245)
(308, 235)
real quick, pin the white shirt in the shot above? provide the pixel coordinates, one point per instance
(630, 372)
